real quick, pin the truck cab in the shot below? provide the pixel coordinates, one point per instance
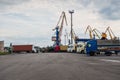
(91, 47)
(81, 47)
(71, 48)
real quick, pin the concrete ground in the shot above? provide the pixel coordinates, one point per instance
(59, 66)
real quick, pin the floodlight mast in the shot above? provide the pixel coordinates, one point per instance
(71, 12)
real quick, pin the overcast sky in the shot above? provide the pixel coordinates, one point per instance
(32, 21)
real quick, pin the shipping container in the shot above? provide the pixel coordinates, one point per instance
(63, 48)
(22, 48)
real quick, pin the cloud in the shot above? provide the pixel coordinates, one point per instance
(33, 20)
(12, 2)
(8, 5)
(109, 9)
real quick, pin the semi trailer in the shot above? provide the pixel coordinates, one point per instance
(107, 47)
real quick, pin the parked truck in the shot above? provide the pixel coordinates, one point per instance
(23, 48)
(80, 48)
(107, 47)
(71, 48)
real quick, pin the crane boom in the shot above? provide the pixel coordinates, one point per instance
(59, 28)
(96, 32)
(111, 34)
(62, 22)
(90, 31)
(73, 35)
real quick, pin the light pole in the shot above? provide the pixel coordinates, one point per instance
(71, 12)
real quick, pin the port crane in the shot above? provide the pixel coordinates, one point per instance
(110, 32)
(90, 31)
(59, 28)
(97, 33)
(74, 37)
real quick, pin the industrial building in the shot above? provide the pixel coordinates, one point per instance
(1, 46)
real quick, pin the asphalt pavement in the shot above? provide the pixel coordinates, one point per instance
(59, 66)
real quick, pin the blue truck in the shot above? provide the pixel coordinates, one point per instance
(107, 47)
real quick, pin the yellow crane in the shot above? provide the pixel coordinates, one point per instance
(62, 19)
(97, 33)
(90, 31)
(111, 34)
(59, 28)
(74, 36)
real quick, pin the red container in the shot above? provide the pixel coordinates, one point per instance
(22, 48)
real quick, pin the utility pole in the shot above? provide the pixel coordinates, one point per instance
(11, 48)
(71, 12)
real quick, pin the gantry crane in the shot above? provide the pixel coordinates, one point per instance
(59, 28)
(90, 31)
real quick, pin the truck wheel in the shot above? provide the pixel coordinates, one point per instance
(92, 53)
(82, 52)
(73, 51)
(116, 52)
(108, 53)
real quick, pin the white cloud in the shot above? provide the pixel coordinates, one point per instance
(34, 19)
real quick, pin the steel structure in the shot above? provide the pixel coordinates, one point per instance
(90, 31)
(59, 28)
(111, 34)
(97, 33)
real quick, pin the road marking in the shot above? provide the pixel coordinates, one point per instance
(110, 60)
(93, 63)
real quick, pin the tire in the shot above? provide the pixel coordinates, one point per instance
(82, 52)
(73, 51)
(108, 53)
(92, 53)
(98, 53)
(116, 52)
